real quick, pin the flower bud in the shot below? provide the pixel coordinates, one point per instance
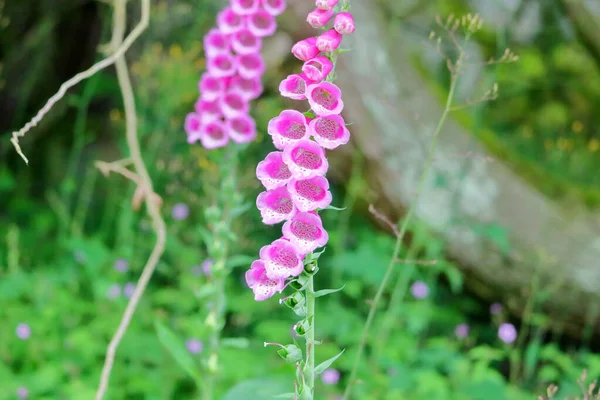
(306, 49)
(290, 353)
(344, 23)
(329, 41)
(326, 4)
(319, 18)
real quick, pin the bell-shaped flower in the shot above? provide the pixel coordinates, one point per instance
(249, 89)
(215, 42)
(245, 42)
(261, 23)
(229, 21)
(310, 194)
(274, 7)
(282, 259)
(245, 7)
(214, 135)
(344, 23)
(261, 285)
(241, 129)
(289, 127)
(325, 98)
(317, 68)
(272, 171)
(222, 65)
(328, 41)
(306, 232)
(326, 4)
(211, 87)
(305, 159)
(329, 131)
(294, 86)
(234, 105)
(275, 206)
(250, 65)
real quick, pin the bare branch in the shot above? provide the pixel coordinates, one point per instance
(107, 62)
(384, 219)
(145, 183)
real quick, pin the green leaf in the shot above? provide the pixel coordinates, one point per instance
(330, 207)
(240, 343)
(176, 348)
(257, 389)
(239, 261)
(325, 292)
(286, 396)
(326, 364)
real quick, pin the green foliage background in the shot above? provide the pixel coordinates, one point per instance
(63, 226)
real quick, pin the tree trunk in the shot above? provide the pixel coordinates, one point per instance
(505, 234)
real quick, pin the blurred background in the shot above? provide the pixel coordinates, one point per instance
(503, 303)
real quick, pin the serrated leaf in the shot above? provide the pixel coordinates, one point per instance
(325, 292)
(326, 364)
(239, 343)
(177, 350)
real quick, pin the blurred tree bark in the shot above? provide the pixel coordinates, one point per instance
(511, 241)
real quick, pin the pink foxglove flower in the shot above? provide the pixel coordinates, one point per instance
(222, 65)
(306, 49)
(211, 87)
(319, 18)
(245, 7)
(276, 205)
(297, 173)
(261, 23)
(274, 7)
(326, 4)
(229, 21)
(249, 89)
(344, 23)
(261, 285)
(325, 98)
(310, 194)
(251, 65)
(305, 159)
(305, 230)
(244, 42)
(273, 172)
(317, 68)
(192, 127)
(234, 73)
(329, 131)
(214, 135)
(215, 42)
(234, 105)
(294, 86)
(282, 259)
(329, 41)
(289, 127)
(241, 129)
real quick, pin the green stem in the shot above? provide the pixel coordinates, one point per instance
(309, 368)
(390, 268)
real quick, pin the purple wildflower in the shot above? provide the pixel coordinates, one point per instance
(121, 265)
(461, 331)
(496, 308)
(129, 289)
(507, 333)
(194, 346)
(22, 392)
(330, 376)
(419, 290)
(180, 211)
(23, 331)
(114, 291)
